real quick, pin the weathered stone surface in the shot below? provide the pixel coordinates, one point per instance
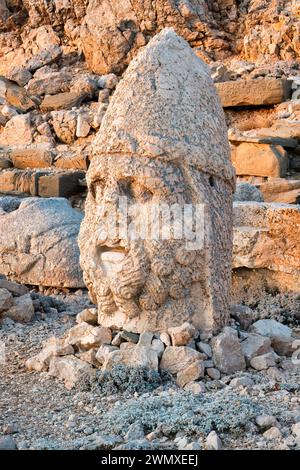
(18, 129)
(227, 352)
(264, 91)
(50, 83)
(34, 156)
(71, 370)
(7, 443)
(13, 287)
(247, 192)
(64, 125)
(72, 160)
(255, 137)
(44, 252)
(182, 335)
(22, 309)
(45, 57)
(281, 190)
(213, 442)
(192, 373)
(177, 358)
(255, 345)
(66, 100)
(260, 160)
(160, 283)
(266, 235)
(89, 315)
(132, 355)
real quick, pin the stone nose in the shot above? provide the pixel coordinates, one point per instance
(111, 193)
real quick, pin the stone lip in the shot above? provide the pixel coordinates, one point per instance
(162, 93)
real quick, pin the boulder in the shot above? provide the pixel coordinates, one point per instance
(177, 358)
(132, 355)
(227, 351)
(67, 100)
(33, 156)
(264, 361)
(247, 192)
(193, 372)
(15, 95)
(182, 335)
(260, 160)
(272, 329)
(242, 314)
(71, 370)
(52, 347)
(43, 252)
(6, 300)
(22, 309)
(255, 345)
(265, 91)
(65, 125)
(17, 130)
(85, 336)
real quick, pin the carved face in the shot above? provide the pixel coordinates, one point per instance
(126, 274)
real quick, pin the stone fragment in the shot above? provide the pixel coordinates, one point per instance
(44, 57)
(13, 287)
(260, 160)
(7, 443)
(242, 314)
(129, 336)
(195, 387)
(71, 370)
(175, 284)
(89, 357)
(44, 252)
(6, 300)
(271, 328)
(182, 335)
(227, 352)
(60, 183)
(52, 347)
(296, 430)
(64, 125)
(193, 372)
(22, 310)
(204, 348)
(158, 346)
(88, 315)
(255, 345)
(241, 382)
(33, 156)
(145, 339)
(165, 338)
(272, 434)
(283, 346)
(264, 91)
(18, 129)
(83, 127)
(247, 192)
(265, 422)
(135, 431)
(85, 336)
(213, 373)
(19, 75)
(104, 351)
(108, 81)
(264, 361)
(213, 442)
(15, 95)
(67, 100)
(132, 355)
(177, 358)
(49, 83)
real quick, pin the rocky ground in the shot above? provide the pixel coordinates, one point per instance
(133, 409)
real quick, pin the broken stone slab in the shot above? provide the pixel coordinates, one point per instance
(44, 252)
(17, 129)
(266, 91)
(62, 101)
(252, 136)
(20, 75)
(260, 160)
(255, 345)
(72, 160)
(280, 190)
(288, 129)
(46, 56)
(227, 352)
(266, 236)
(6, 299)
(33, 156)
(49, 83)
(177, 358)
(71, 370)
(161, 284)
(22, 309)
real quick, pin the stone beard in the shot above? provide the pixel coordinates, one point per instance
(145, 284)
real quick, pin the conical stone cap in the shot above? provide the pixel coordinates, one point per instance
(166, 106)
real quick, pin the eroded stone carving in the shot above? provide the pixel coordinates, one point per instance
(163, 141)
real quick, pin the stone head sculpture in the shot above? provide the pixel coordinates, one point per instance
(162, 150)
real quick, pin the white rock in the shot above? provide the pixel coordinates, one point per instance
(195, 387)
(178, 358)
(158, 346)
(255, 345)
(182, 335)
(265, 422)
(70, 369)
(191, 373)
(296, 430)
(264, 361)
(227, 352)
(272, 434)
(204, 348)
(6, 300)
(22, 309)
(213, 442)
(241, 382)
(271, 328)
